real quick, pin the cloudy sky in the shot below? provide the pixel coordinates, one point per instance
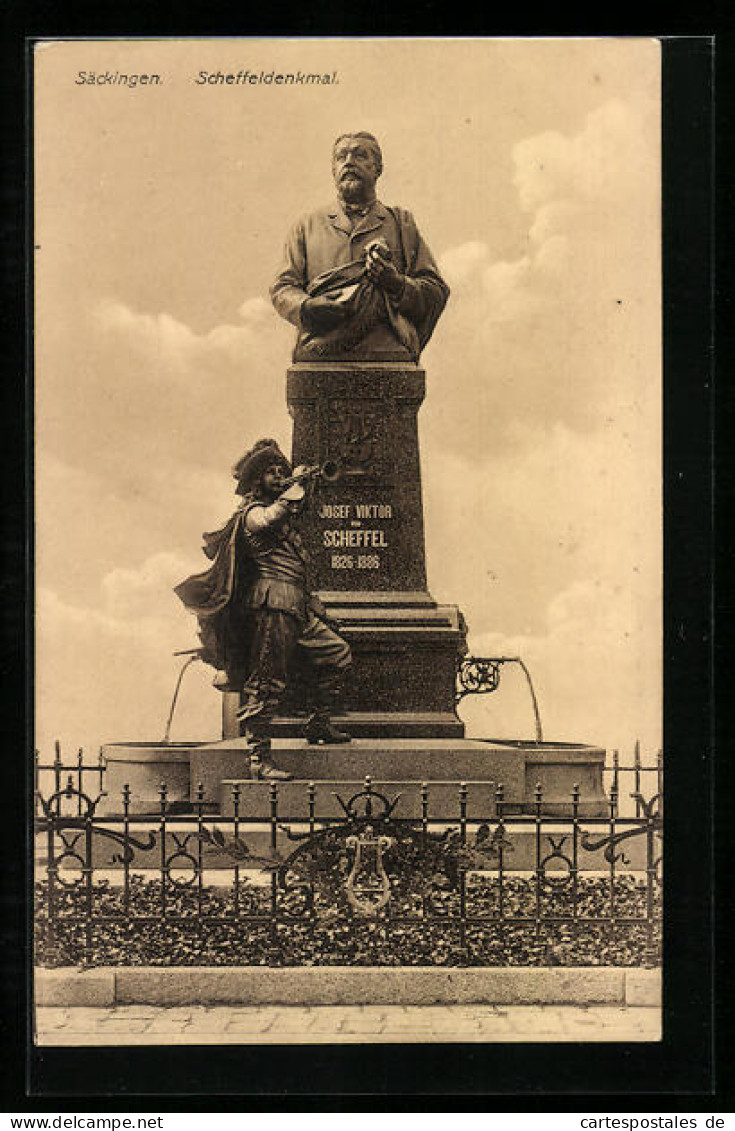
(532, 168)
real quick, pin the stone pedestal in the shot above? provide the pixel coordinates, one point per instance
(365, 537)
(364, 532)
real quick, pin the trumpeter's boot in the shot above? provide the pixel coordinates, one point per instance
(261, 765)
(259, 750)
(319, 727)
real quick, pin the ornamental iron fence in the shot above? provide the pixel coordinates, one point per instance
(368, 886)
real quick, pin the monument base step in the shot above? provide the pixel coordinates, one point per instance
(194, 772)
(393, 724)
(519, 767)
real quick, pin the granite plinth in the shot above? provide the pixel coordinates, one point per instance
(405, 650)
(253, 798)
(557, 767)
(359, 724)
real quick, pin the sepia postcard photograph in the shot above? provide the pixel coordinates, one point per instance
(348, 530)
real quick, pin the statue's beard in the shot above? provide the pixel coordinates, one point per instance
(355, 190)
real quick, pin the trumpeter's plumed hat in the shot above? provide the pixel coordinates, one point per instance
(249, 468)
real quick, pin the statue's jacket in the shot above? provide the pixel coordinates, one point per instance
(266, 569)
(325, 255)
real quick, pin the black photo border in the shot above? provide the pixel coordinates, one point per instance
(678, 1071)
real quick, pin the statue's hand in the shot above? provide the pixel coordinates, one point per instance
(293, 494)
(381, 269)
(321, 314)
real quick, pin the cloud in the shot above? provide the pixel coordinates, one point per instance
(176, 348)
(136, 593)
(570, 328)
(552, 550)
(108, 674)
(459, 263)
(595, 673)
(151, 396)
(509, 530)
(134, 455)
(601, 165)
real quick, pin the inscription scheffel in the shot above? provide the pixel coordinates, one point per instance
(344, 532)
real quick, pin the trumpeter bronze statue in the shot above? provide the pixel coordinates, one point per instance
(256, 614)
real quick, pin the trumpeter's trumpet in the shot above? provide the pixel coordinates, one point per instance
(328, 471)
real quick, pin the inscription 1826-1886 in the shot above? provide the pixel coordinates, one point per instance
(350, 535)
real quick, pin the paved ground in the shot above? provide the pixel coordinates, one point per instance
(284, 1024)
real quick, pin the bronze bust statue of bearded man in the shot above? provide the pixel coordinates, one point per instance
(357, 280)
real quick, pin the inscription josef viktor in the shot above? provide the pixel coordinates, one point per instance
(355, 537)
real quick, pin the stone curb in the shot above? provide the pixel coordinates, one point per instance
(69, 986)
(643, 987)
(331, 985)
